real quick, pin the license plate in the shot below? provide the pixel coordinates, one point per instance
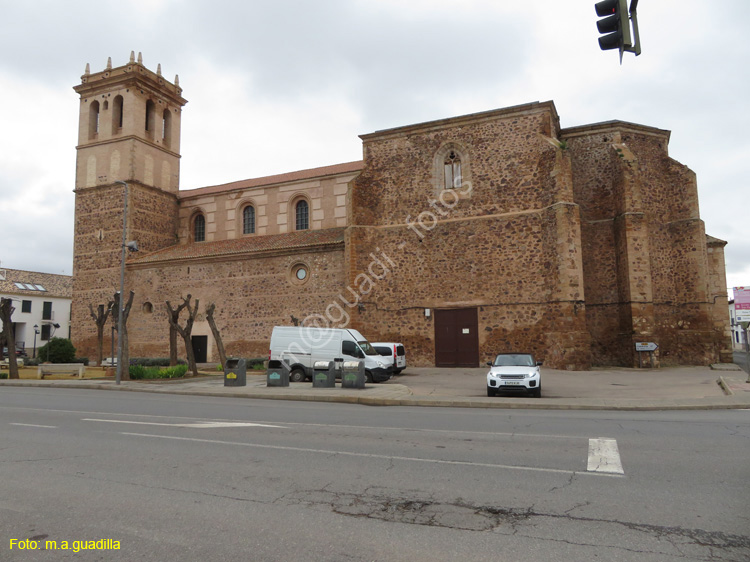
(512, 383)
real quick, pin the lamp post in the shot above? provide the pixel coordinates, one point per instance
(36, 332)
(122, 284)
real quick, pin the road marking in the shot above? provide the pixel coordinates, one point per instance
(374, 456)
(604, 456)
(201, 425)
(34, 425)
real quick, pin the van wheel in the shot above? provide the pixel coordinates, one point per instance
(368, 377)
(537, 392)
(297, 375)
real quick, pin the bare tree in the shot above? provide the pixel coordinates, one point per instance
(217, 335)
(125, 369)
(186, 331)
(100, 318)
(174, 317)
(6, 312)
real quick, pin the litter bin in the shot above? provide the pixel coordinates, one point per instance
(353, 374)
(324, 374)
(235, 372)
(277, 373)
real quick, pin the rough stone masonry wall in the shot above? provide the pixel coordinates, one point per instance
(643, 206)
(252, 294)
(511, 249)
(98, 243)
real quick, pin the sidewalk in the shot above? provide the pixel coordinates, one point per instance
(671, 388)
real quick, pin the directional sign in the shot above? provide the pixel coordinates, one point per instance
(646, 346)
(742, 304)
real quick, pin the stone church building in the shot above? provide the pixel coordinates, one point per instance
(461, 238)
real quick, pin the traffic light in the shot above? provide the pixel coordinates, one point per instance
(615, 26)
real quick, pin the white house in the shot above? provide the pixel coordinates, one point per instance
(42, 303)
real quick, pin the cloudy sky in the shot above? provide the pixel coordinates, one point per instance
(278, 86)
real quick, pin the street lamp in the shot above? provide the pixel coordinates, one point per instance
(36, 333)
(133, 247)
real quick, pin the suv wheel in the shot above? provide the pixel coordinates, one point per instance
(491, 391)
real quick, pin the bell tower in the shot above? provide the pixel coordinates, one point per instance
(128, 131)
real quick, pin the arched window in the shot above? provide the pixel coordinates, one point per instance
(302, 215)
(150, 125)
(248, 220)
(93, 119)
(199, 228)
(166, 127)
(117, 113)
(452, 170)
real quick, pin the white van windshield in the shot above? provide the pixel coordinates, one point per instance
(367, 348)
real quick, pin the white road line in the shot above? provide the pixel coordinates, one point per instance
(604, 456)
(201, 425)
(373, 456)
(34, 425)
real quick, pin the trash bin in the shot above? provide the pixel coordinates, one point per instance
(353, 374)
(235, 372)
(277, 373)
(324, 374)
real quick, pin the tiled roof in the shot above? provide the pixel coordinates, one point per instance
(245, 246)
(300, 175)
(54, 285)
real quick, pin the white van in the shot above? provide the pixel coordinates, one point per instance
(395, 353)
(300, 347)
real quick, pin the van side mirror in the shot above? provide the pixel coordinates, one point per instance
(539, 363)
(489, 363)
(360, 354)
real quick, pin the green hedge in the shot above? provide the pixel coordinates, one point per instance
(138, 372)
(153, 361)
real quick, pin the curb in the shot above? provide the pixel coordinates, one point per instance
(724, 386)
(416, 401)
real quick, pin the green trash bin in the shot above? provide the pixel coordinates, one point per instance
(324, 374)
(235, 372)
(277, 373)
(353, 374)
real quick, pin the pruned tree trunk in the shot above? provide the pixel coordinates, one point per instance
(100, 318)
(217, 335)
(187, 330)
(6, 313)
(125, 367)
(174, 317)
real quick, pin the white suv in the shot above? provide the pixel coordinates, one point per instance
(514, 371)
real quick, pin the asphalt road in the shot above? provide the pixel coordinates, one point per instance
(199, 478)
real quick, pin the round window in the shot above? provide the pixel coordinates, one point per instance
(299, 273)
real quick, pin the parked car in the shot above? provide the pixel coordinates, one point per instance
(109, 362)
(513, 372)
(395, 352)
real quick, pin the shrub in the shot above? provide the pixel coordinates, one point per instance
(84, 360)
(3, 375)
(139, 372)
(57, 350)
(153, 361)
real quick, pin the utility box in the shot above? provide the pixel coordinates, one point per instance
(353, 374)
(277, 373)
(324, 374)
(235, 372)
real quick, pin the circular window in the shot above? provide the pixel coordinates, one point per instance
(300, 273)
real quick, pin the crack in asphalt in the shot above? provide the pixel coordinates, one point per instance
(465, 516)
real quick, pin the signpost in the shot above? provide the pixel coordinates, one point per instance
(649, 347)
(742, 317)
